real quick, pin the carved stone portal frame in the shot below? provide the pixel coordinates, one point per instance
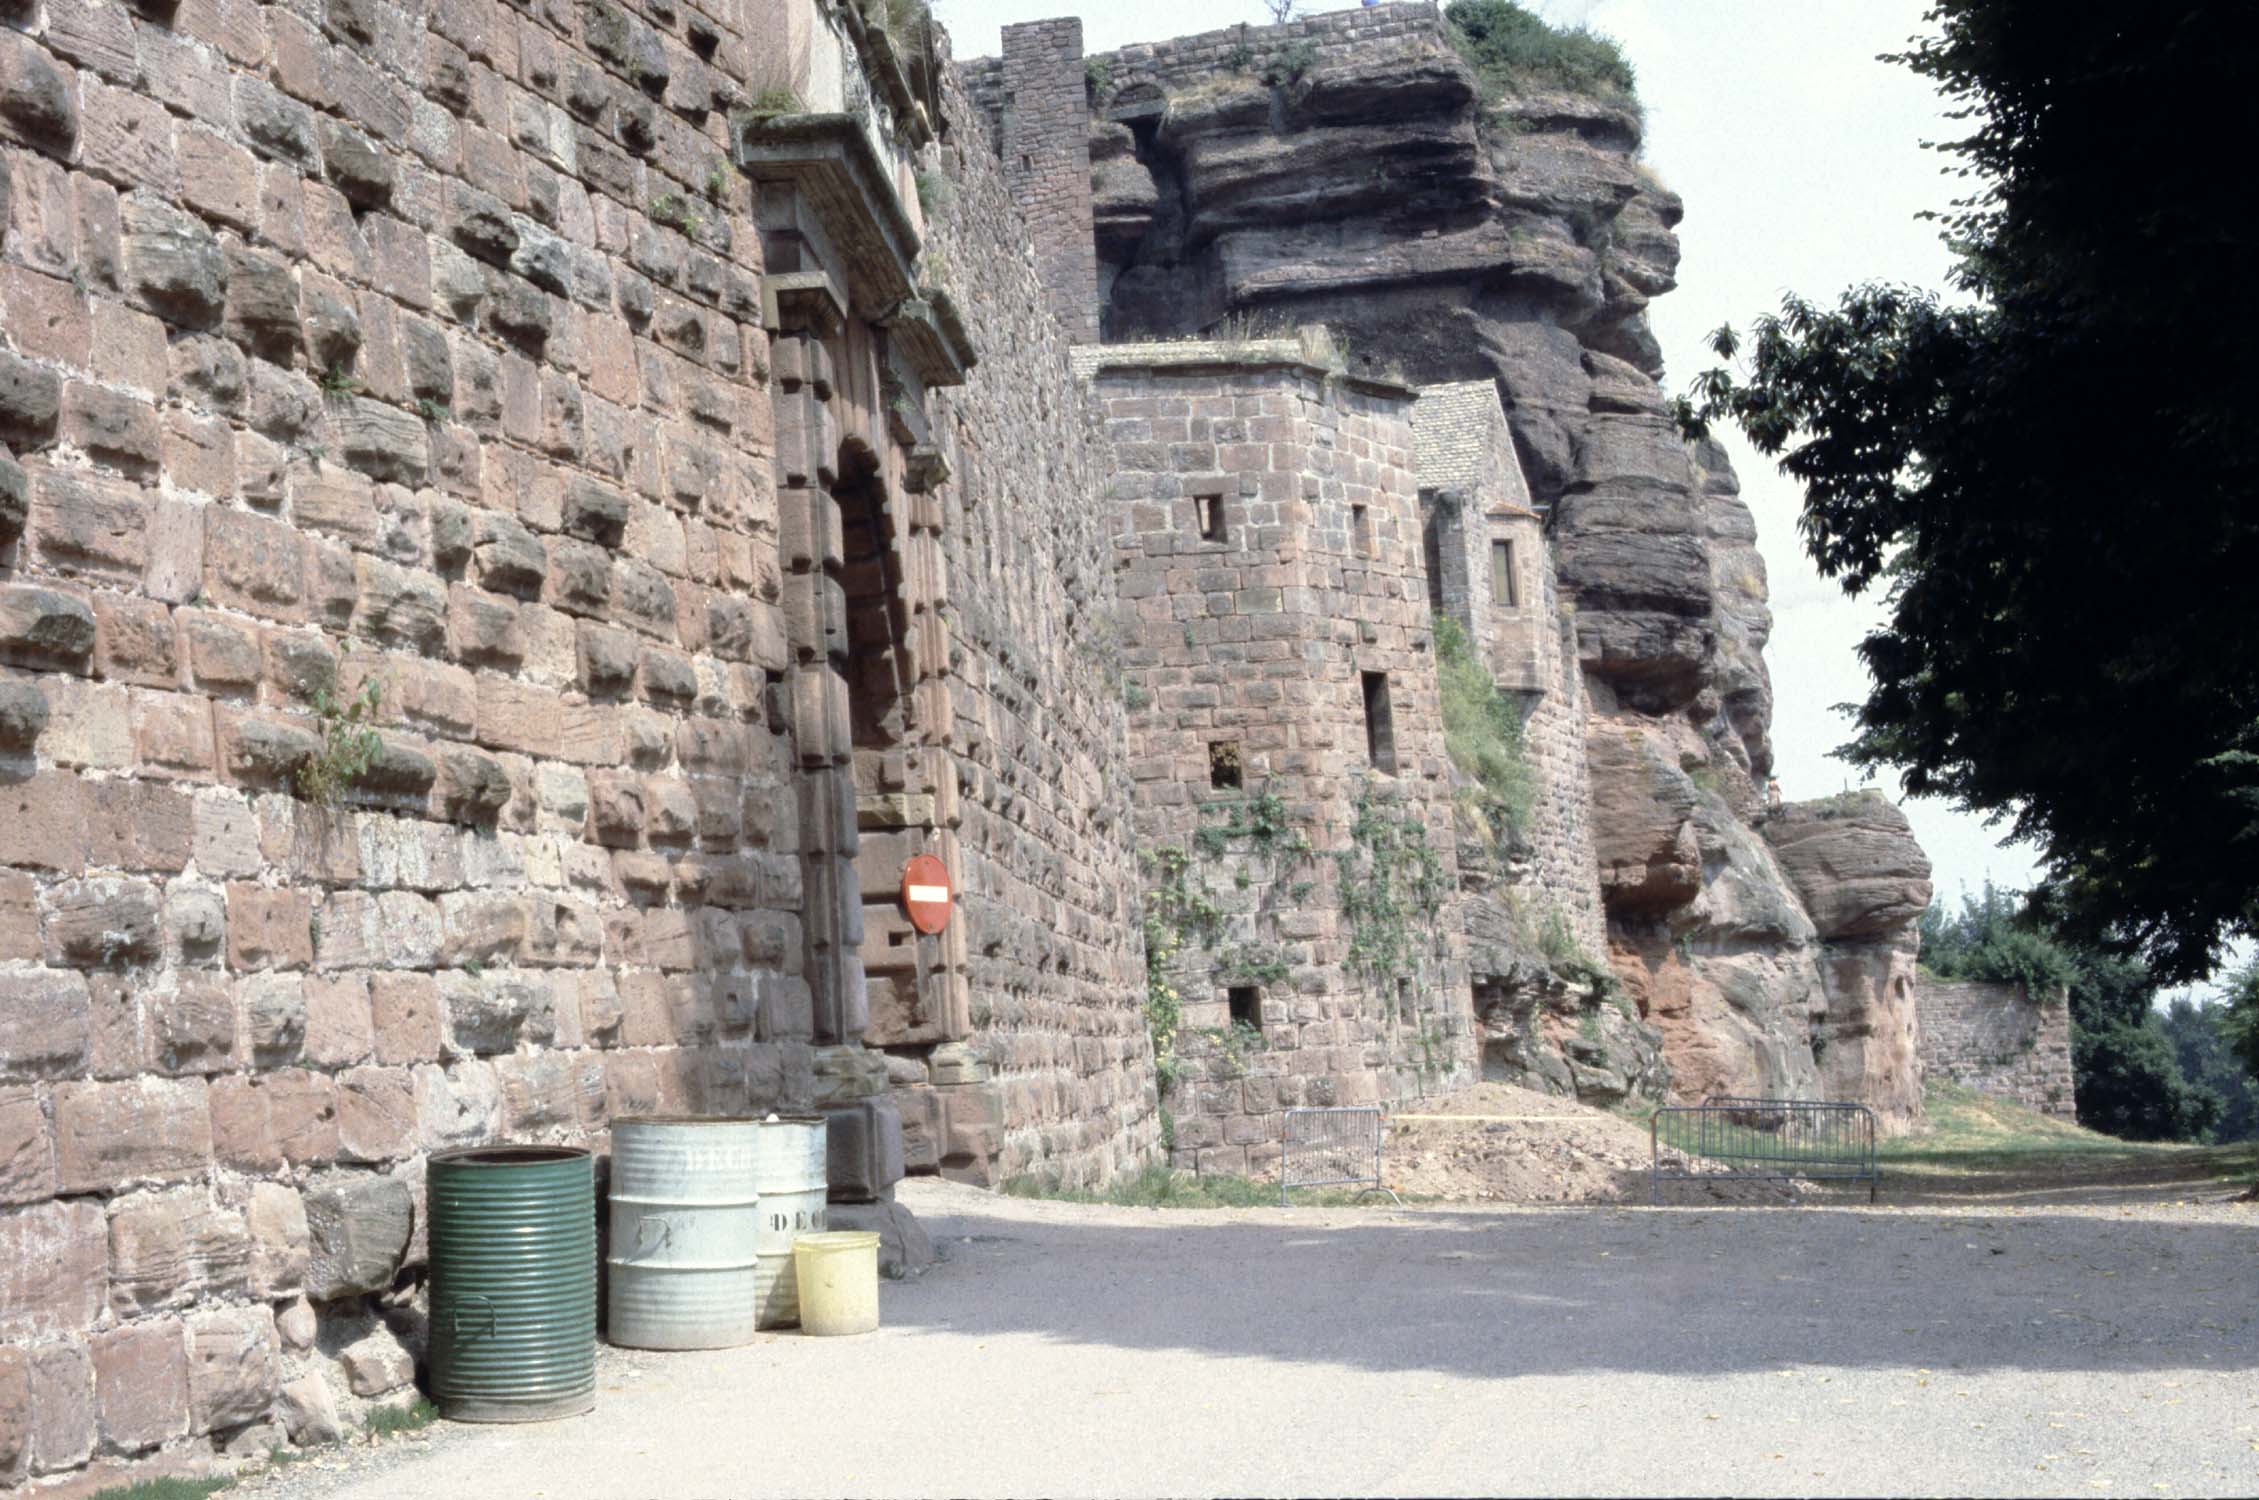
(856, 345)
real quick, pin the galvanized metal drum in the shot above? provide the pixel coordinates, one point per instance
(789, 1159)
(513, 1283)
(685, 1229)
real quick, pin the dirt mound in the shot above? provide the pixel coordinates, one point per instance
(1496, 1143)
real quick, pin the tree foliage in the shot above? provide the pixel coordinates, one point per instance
(1986, 941)
(2204, 1040)
(2053, 477)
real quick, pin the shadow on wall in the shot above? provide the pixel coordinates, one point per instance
(1550, 1292)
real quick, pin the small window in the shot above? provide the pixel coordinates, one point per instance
(1505, 587)
(1361, 530)
(1380, 725)
(1246, 1002)
(1210, 509)
(1223, 764)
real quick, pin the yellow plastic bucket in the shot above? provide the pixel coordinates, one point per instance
(838, 1276)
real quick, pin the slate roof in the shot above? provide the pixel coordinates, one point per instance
(1451, 437)
(1451, 432)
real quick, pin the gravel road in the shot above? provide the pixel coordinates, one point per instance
(1072, 1350)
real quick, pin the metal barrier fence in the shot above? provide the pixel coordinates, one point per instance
(1339, 1147)
(1763, 1140)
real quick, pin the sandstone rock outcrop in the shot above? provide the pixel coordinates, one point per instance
(1865, 881)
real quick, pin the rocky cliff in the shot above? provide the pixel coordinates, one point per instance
(1353, 170)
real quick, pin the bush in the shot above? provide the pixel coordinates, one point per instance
(1482, 733)
(1988, 942)
(2130, 1085)
(1514, 51)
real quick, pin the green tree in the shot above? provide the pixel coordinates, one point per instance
(2239, 1025)
(2123, 1062)
(1991, 942)
(2205, 1048)
(2053, 476)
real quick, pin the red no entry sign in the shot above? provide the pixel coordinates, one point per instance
(927, 893)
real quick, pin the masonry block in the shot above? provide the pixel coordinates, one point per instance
(141, 1384)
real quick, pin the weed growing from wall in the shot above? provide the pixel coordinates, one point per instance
(349, 743)
(1178, 909)
(1393, 887)
(1181, 909)
(1482, 733)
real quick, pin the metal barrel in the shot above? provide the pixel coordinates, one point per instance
(790, 1158)
(513, 1283)
(684, 1231)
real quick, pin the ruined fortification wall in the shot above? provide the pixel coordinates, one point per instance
(1351, 170)
(1049, 874)
(1267, 536)
(1509, 604)
(1044, 143)
(1998, 1040)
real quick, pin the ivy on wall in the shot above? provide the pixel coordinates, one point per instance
(1393, 887)
(1391, 884)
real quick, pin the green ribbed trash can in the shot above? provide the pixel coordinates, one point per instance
(513, 1283)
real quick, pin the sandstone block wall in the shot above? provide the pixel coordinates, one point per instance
(1245, 651)
(1369, 34)
(420, 352)
(1999, 1040)
(389, 350)
(1048, 871)
(1043, 114)
(1473, 498)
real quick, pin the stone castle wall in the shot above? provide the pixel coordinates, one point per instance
(1367, 35)
(1049, 874)
(1042, 120)
(344, 356)
(1475, 500)
(425, 353)
(1999, 1041)
(1244, 655)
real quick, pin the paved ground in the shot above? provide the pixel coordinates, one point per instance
(1068, 1350)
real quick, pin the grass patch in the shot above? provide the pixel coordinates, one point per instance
(170, 1487)
(1970, 1132)
(391, 1421)
(1515, 51)
(1159, 1187)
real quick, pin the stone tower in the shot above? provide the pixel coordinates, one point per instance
(1291, 789)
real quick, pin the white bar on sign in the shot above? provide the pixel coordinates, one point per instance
(929, 893)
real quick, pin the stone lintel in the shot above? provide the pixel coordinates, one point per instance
(930, 332)
(802, 302)
(836, 174)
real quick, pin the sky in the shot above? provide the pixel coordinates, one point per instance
(1800, 158)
